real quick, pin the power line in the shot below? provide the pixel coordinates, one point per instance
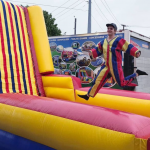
(65, 9)
(101, 11)
(111, 13)
(97, 22)
(60, 6)
(71, 14)
(45, 5)
(69, 10)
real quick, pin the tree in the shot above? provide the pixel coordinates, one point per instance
(52, 29)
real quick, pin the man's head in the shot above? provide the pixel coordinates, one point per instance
(111, 29)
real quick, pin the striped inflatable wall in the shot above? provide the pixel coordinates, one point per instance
(16, 66)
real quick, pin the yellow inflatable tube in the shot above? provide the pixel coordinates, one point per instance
(40, 38)
(64, 134)
(127, 104)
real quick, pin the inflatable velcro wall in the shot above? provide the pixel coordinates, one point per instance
(16, 66)
(31, 121)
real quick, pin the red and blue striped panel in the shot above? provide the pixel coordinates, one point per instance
(16, 66)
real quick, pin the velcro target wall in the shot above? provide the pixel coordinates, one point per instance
(16, 66)
(28, 121)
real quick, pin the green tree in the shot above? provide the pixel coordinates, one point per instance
(52, 29)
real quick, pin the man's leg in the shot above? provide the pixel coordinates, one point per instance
(126, 81)
(129, 80)
(98, 83)
(132, 77)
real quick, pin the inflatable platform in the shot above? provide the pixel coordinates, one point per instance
(41, 111)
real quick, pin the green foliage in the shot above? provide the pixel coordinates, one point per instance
(52, 29)
(24, 6)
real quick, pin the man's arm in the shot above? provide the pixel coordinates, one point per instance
(97, 51)
(130, 49)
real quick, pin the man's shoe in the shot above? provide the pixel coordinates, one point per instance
(84, 97)
(139, 72)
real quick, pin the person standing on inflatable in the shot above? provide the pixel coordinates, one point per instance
(112, 48)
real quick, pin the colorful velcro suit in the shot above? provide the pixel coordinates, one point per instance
(16, 66)
(112, 52)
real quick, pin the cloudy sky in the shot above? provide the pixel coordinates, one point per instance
(134, 13)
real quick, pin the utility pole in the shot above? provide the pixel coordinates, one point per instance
(75, 25)
(89, 17)
(123, 26)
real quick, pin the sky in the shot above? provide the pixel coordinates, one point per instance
(133, 13)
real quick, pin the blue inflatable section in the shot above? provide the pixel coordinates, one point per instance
(10, 141)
